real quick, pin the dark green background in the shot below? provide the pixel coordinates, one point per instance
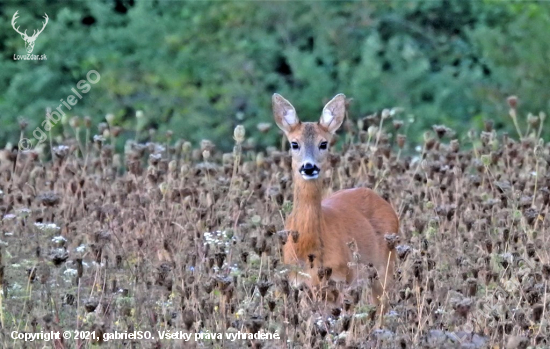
(200, 68)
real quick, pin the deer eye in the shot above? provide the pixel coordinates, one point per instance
(323, 146)
(294, 145)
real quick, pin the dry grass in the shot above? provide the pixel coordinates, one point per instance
(176, 238)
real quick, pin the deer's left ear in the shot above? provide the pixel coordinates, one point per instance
(334, 113)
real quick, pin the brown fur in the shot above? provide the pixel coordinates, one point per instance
(326, 227)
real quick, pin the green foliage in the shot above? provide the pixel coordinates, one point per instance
(200, 68)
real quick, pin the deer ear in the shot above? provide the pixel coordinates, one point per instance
(284, 113)
(334, 113)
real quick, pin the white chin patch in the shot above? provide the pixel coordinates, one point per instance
(308, 177)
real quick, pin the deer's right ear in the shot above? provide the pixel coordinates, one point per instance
(334, 113)
(284, 113)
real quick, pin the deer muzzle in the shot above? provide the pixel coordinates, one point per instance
(309, 170)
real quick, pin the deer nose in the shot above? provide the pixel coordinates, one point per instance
(309, 169)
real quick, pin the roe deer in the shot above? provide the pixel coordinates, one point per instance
(327, 226)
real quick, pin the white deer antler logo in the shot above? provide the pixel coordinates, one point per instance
(29, 40)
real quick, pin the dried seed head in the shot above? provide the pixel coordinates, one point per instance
(188, 319)
(186, 147)
(172, 166)
(283, 236)
(207, 144)
(260, 159)
(372, 130)
(263, 287)
(116, 131)
(263, 127)
(23, 124)
(472, 287)
(489, 246)
(271, 305)
(321, 273)
(455, 145)
(311, 258)
(533, 120)
(239, 134)
(328, 272)
(346, 320)
(110, 118)
(91, 305)
(546, 271)
(512, 101)
(538, 151)
(538, 309)
(488, 125)
(220, 258)
(401, 140)
(463, 307)
(285, 286)
(75, 122)
(360, 124)
(101, 127)
(295, 236)
(427, 135)
(210, 262)
(391, 240)
(440, 130)
(397, 124)
(486, 159)
(227, 158)
(58, 256)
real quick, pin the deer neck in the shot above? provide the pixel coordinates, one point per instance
(306, 217)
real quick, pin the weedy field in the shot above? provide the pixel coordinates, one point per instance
(173, 237)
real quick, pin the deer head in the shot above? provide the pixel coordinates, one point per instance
(29, 40)
(309, 141)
